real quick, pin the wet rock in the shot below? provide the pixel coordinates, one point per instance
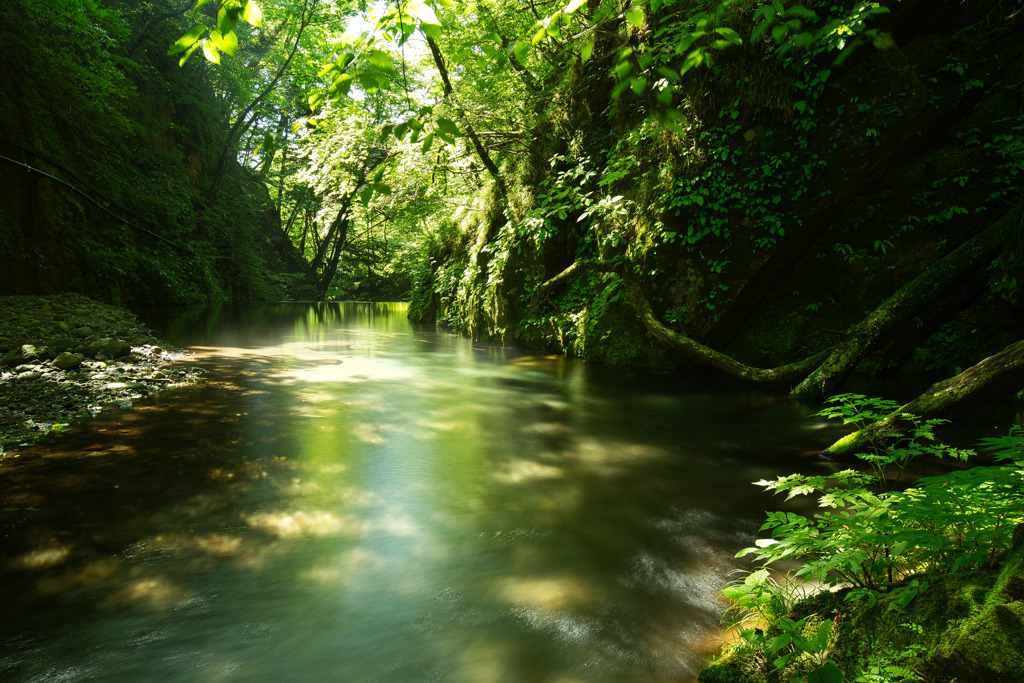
(83, 331)
(29, 376)
(67, 361)
(29, 351)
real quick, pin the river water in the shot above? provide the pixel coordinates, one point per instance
(350, 497)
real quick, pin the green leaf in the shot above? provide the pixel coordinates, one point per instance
(587, 50)
(252, 14)
(210, 52)
(448, 127)
(368, 81)
(432, 30)
(635, 18)
(573, 6)
(759, 31)
(828, 673)
(422, 11)
(226, 43)
(226, 19)
(695, 58)
(187, 40)
(382, 188)
(428, 142)
(366, 194)
(729, 35)
(381, 60)
(802, 12)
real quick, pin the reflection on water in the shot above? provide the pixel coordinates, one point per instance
(349, 497)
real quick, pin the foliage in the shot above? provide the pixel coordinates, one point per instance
(874, 538)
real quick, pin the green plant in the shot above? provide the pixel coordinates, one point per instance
(873, 539)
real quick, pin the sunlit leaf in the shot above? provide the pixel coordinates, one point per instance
(573, 6)
(188, 54)
(635, 18)
(210, 52)
(187, 40)
(252, 14)
(226, 43)
(381, 60)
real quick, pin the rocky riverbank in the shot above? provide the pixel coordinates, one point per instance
(66, 357)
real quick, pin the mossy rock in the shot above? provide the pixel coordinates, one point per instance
(987, 646)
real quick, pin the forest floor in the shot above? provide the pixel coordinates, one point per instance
(66, 357)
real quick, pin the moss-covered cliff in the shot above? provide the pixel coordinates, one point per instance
(108, 150)
(776, 201)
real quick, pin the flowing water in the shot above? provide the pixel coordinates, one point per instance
(349, 497)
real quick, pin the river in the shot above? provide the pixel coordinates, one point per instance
(351, 497)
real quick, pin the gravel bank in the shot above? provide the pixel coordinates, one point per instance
(65, 357)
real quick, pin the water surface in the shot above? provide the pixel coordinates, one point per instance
(349, 497)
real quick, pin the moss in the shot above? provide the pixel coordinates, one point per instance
(966, 627)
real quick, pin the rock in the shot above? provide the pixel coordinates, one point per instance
(67, 361)
(29, 351)
(135, 386)
(11, 359)
(83, 331)
(113, 348)
(63, 326)
(29, 376)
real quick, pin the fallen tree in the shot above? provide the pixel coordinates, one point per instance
(937, 280)
(976, 387)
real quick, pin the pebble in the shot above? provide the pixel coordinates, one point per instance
(35, 396)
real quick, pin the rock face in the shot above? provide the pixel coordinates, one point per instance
(112, 129)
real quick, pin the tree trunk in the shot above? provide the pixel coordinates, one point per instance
(708, 356)
(990, 380)
(481, 151)
(305, 20)
(937, 280)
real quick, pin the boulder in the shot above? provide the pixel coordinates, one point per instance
(11, 359)
(67, 361)
(113, 348)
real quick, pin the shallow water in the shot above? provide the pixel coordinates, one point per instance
(350, 497)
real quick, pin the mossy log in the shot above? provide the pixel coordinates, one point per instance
(939, 279)
(990, 380)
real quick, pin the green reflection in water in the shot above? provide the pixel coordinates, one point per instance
(371, 501)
